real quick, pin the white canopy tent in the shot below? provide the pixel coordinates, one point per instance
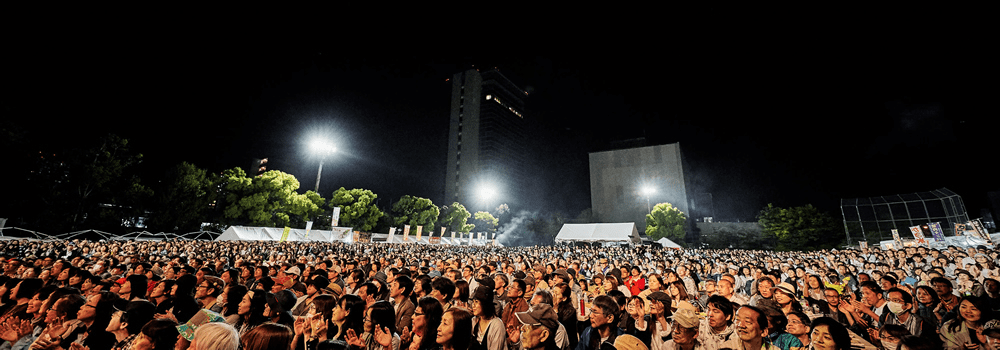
(245, 233)
(622, 233)
(666, 243)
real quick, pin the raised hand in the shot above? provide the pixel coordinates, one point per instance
(384, 338)
(352, 339)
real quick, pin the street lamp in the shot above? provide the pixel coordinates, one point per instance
(486, 195)
(322, 148)
(648, 190)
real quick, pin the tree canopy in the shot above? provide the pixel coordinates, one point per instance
(485, 221)
(264, 200)
(185, 200)
(415, 211)
(666, 221)
(357, 208)
(455, 217)
(799, 228)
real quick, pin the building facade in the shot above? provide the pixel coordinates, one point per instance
(626, 183)
(486, 143)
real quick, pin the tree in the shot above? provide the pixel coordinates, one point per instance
(799, 228)
(415, 211)
(485, 221)
(103, 184)
(455, 217)
(264, 200)
(666, 221)
(357, 208)
(185, 200)
(306, 207)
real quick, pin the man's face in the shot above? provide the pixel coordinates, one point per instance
(88, 311)
(598, 318)
(533, 337)
(363, 293)
(870, 296)
(202, 290)
(514, 292)
(395, 291)
(716, 318)
(942, 289)
(683, 335)
(746, 325)
(832, 298)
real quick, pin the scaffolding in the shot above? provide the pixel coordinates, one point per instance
(873, 218)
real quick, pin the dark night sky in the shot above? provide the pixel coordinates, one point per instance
(779, 127)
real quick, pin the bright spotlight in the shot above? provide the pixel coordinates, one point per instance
(322, 147)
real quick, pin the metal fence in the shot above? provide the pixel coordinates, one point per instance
(871, 219)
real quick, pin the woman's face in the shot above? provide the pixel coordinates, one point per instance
(63, 275)
(339, 313)
(419, 320)
(51, 316)
(244, 307)
(969, 312)
(821, 339)
(446, 330)
(75, 280)
(368, 321)
(656, 307)
(34, 304)
(813, 282)
(608, 285)
(654, 284)
(923, 297)
(477, 307)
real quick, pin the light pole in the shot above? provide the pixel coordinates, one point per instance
(648, 190)
(323, 148)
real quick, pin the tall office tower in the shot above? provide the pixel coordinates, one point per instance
(486, 142)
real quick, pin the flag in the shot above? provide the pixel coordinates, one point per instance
(936, 231)
(309, 226)
(419, 229)
(895, 237)
(284, 234)
(335, 218)
(392, 233)
(406, 232)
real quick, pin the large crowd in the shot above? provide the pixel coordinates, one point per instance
(253, 295)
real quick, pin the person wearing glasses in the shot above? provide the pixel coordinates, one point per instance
(603, 327)
(538, 328)
(207, 293)
(901, 307)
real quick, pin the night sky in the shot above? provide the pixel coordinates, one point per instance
(775, 127)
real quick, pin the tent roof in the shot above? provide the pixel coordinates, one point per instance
(617, 232)
(666, 243)
(245, 233)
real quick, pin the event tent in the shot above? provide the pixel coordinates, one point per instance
(600, 233)
(666, 243)
(245, 233)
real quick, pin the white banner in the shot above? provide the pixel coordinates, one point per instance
(392, 233)
(443, 229)
(309, 226)
(335, 218)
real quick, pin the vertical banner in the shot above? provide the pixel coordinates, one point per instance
(936, 231)
(918, 234)
(392, 233)
(898, 241)
(978, 225)
(419, 229)
(406, 232)
(452, 235)
(442, 231)
(864, 244)
(309, 226)
(335, 218)
(959, 229)
(470, 238)
(284, 234)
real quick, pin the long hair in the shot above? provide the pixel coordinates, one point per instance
(233, 298)
(355, 308)
(105, 308)
(255, 316)
(461, 336)
(930, 291)
(139, 285)
(432, 317)
(985, 312)
(267, 336)
(383, 315)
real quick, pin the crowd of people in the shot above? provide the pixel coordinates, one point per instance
(255, 295)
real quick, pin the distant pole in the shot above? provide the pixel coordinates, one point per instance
(318, 173)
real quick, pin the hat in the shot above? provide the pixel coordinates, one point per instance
(294, 270)
(319, 281)
(487, 282)
(520, 275)
(530, 280)
(992, 329)
(629, 342)
(484, 293)
(541, 314)
(786, 288)
(661, 296)
(563, 274)
(334, 289)
(686, 315)
(199, 319)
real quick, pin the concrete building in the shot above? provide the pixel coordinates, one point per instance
(486, 143)
(618, 179)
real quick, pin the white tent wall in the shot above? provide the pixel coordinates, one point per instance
(614, 232)
(246, 233)
(666, 243)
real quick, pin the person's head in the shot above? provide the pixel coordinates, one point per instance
(899, 301)
(267, 336)
(427, 316)
(765, 287)
(829, 334)
(538, 327)
(210, 287)
(215, 336)
(455, 330)
(890, 335)
(751, 323)
(350, 312)
(380, 315)
(871, 293)
(401, 286)
(798, 323)
(973, 311)
(443, 289)
(160, 334)
(65, 308)
(604, 312)
(720, 312)
(942, 286)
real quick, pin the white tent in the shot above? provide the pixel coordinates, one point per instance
(666, 243)
(603, 233)
(244, 233)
